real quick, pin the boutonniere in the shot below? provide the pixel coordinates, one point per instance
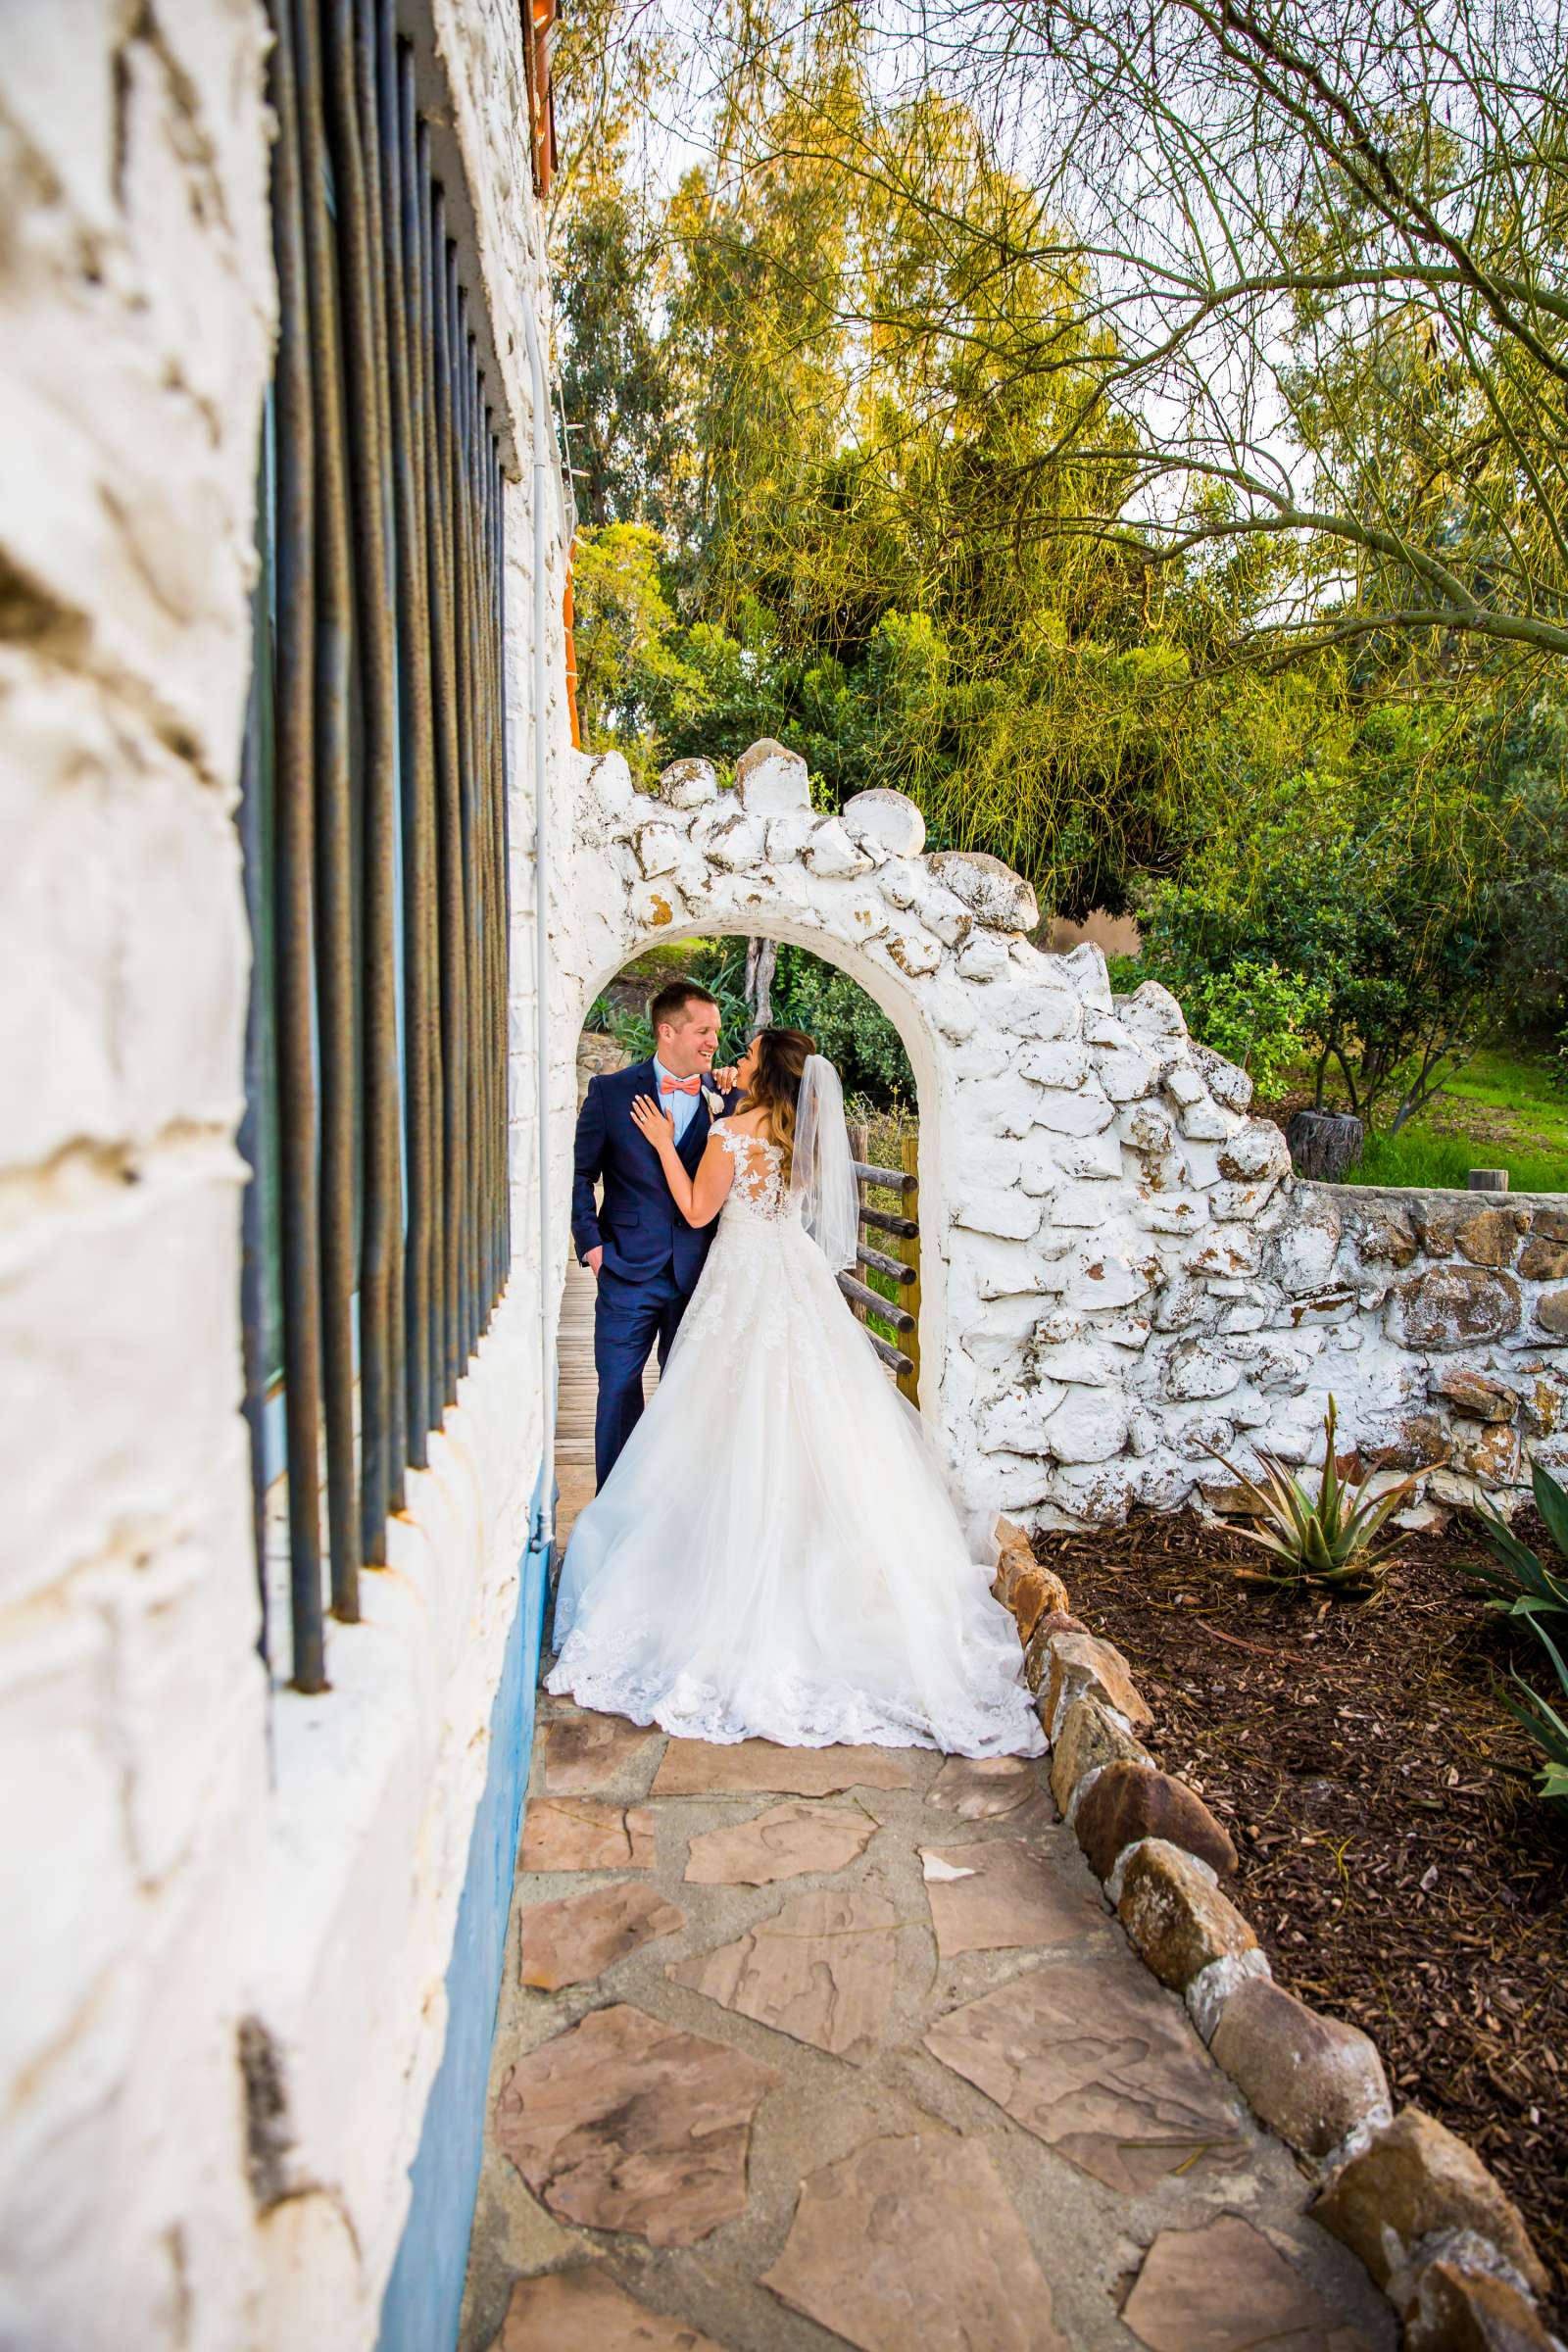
(714, 1102)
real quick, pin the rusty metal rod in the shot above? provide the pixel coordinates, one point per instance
(424, 353)
(479, 977)
(463, 677)
(478, 691)
(473, 802)
(497, 934)
(495, 1053)
(334, 843)
(484, 1094)
(463, 601)
(385, 95)
(498, 883)
(401, 225)
(252, 1140)
(503, 884)
(423, 386)
(503, 784)
(463, 520)
(294, 879)
(373, 50)
(372, 645)
(449, 782)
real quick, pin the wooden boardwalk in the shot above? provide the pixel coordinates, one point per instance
(576, 1398)
(577, 1390)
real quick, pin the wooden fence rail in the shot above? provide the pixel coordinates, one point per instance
(891, 1180)
(900, 1319)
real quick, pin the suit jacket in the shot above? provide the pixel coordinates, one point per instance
(638, 1225)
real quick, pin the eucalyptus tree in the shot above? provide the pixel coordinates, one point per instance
(1321, 252)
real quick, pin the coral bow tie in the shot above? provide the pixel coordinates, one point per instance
(680, 1085)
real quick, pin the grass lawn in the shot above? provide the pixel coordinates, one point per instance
(1506, 1108)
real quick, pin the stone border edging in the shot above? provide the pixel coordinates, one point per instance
(1435, 2231)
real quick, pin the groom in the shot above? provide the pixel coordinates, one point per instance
(644, 1255)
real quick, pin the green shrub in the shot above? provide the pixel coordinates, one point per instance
(852, 1031)
(1369, 878)
(631, 1031)
(808, 994)
(1257, 1015)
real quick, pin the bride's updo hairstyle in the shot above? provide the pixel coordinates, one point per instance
(776, 1087)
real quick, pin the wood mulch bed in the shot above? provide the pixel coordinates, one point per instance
(1394, 1872)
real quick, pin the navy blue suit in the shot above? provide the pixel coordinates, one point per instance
(652, 1257)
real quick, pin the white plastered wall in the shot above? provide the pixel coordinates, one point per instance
(182, 1851)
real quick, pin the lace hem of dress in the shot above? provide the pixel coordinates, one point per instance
(791, 1714)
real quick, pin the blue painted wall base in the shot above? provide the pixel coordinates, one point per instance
(423, 2300)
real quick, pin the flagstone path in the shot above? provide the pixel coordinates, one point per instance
(807, 2047)
(799, 2048)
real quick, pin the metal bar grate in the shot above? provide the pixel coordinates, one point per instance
(382, 878)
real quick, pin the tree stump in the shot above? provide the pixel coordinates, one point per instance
(1324, 1144)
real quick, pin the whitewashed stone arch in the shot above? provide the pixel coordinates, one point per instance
(1121, 1276)
(1074, 1156)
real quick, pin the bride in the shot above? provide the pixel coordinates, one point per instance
(775, 1554)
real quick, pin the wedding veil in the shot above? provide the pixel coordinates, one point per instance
(822, 1173)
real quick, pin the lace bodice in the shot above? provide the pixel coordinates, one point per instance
(759, 1184)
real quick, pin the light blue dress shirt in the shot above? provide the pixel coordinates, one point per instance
(682, 1108)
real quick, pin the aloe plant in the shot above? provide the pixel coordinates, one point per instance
(1541, 1723)
(1325, 1540)
(1521, 1584)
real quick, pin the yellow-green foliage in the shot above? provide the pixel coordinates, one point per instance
(863, 471)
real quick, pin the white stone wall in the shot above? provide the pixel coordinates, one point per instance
(182, 1851)
(1119, 1272)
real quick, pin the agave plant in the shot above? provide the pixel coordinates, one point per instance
(1541, 1721)
(1521, 1584)
(1326, 1541)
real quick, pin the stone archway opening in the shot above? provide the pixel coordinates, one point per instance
(885, 1103)
(919, 933)
(1116, 1272)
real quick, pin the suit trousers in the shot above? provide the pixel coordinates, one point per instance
(628, 1318)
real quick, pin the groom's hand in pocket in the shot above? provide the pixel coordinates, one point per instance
(594, 1259)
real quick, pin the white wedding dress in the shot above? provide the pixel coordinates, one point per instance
(776, 1554)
